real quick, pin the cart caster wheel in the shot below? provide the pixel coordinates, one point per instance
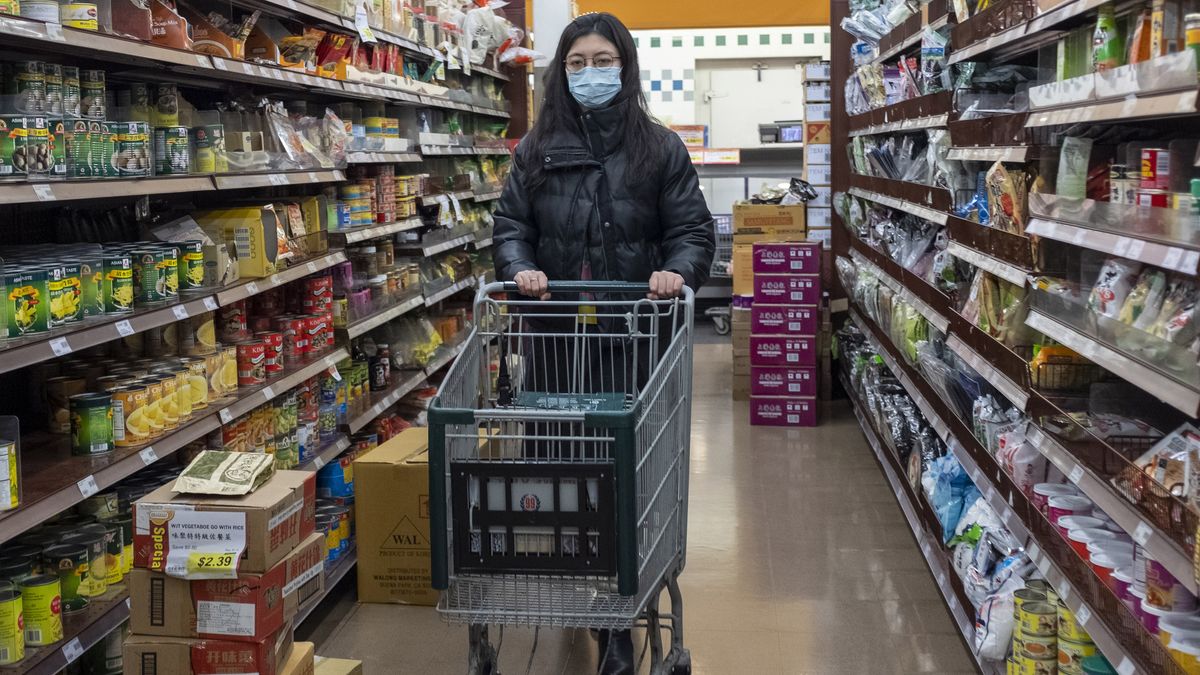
(721, 323)
(683, 666)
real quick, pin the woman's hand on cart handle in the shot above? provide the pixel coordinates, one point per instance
(533, 283)
(665, 285)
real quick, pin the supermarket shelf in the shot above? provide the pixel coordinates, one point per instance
(1100, 490)
(441, 246)
(911, 124)
(1010, 273)
(984, 46)
(81, 632)
(245, 289)
(1172, 391)
(923, 112)
(326, 454)
(937, 199)
(992, 153)
(435, 199)
(373, 321)
(434, 298)
(356, 234)
(1128, 108)
(333, 574)
(1017, 394)
(446, 358)
(1023, 37)
(73, 190)
(492, 150)
(915, 209)
(258, 180)
(381, 157)
(447, 150)
(483, 242)
(1007, 255)
(293, 377)
(22, 352)
(487, 196)
(387, 399)
(934, 317)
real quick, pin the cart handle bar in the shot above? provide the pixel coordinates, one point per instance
(585, 287)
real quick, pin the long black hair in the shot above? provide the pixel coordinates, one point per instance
(560, 111)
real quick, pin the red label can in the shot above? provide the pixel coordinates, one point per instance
(327, 316)
(314, 331)
(318, 294)
(1156, 169)
(252, 363)
(231, 319)
(295, 339)
(260, 324)
(274, 341)
(1157, 198)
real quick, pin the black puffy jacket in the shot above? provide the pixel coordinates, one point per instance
(586, 206)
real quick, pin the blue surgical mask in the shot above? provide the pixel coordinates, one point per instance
(595, 87)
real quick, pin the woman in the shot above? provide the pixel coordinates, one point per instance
(600, 190)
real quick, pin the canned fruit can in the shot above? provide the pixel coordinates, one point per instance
(9, 480)
(69, 562)
(1028, 666)
(130, 426)
(79, 15)
(191, 265)
(182, 390)
(28, 306)
(41, 605)
(91, 276)
(1038, 618)
(1156, 169)
(251, 363)
(274, 351)
(168, 406)
(12, 627)
(197, 382)
(152, 411)
(125, 522)
(201, 335)
(91, 424)
(66, 295)
(59, 391)
(172, 151)
(1068, 628)
(147, 285)
(114, 549)
(96, 581)
(209, 141)
(1159, 199)
(131, 155)
(119, 284)
(1071, 655)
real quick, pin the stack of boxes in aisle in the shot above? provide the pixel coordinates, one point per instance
(818, 151)
(219, 579)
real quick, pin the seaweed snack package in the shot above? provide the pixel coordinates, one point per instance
(1144, 301)
(1006, 192)
(1117, 277)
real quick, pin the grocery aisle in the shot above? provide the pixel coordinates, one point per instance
(799, 561)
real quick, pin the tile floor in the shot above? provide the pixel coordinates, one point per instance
(799, 561)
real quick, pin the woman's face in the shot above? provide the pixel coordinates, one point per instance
(592, 50)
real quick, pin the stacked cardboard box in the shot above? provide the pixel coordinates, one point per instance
(197, 605)
(784, 333)
(818, 151)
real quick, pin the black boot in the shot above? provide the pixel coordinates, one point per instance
(616, 652)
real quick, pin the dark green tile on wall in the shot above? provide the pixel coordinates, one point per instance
(698, 41)
(764, 39)
(787, 38)
(676, 42)
(809, 38)
(720, 40)
(743, 40)
(655, 42)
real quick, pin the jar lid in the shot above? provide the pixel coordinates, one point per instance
(1055, 489)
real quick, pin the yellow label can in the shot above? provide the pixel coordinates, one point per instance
(12, 638)
(41, 604)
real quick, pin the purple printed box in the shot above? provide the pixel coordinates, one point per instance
(783, 350)
(799, 257)
(783, 411)
(783, 320)
(783, 381)
(787, 289)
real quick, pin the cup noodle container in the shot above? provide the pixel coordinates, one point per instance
(1185, 649)
(1104, 564)
(1122, 579)
(1133, 601)
(1116, 548)
(1067, 523)
(1067, 505)
(1080, 540)
(1042, 492)
(1178, 628)
(1152, 615)
(1164, 591)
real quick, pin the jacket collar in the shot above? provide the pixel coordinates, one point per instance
(604, 128)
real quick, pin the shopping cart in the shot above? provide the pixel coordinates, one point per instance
(558, 465)
(722, 268)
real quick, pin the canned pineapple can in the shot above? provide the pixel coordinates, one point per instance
(96, 581)
(118, 284)
(12, 636)
(153, 409)
(197, 381)
(125, 522)
(191, 265)
(9, 480)
(169, 404)
(130, 426)
(41, 604)
(114, 549)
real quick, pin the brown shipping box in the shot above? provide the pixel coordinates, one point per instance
(301, 661)
(246, 608)
(753, 223)
(338, 666)
(272, 521)
(743, 269)
(391, 485)
(148, 655)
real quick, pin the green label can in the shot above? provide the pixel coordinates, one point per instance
(91, 94)
(91, 424)
(70, 91)
(118, 284)
(72, 292)
(56, 285)
(12, 634)
(36, 159)
(105, 151)
(191, 265)
(172, 151)
(132, 156)
(114, 550)
(91, 276)
(9, 478)
(28, 306)
(126, 524)
(13, 139)
(58, 147)
(54, 89)
(148, 286)
(70, 563)
(168, 271)
(95, 582)
(79, 149)
(25, 82)
(41, 603)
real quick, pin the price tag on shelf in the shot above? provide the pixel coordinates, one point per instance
(275, 280)
(225, 415)
(1122, 246)
(1141, 533)
(269, 393)
(1191, 262)
(1079, 237)
(1064, 590)
(124, 328)
(220, 63)
(72, 650)
(312, 267)
(941, 579)
(333, 371)
(202, 60)
(87, 487)
(1173, 257)
(60, 346)
(128, 603)
(54, 32)
(1126, 667)
(252, 288)
(180, 312)
(210, 303)
(1083, 616)
(1076, 474)
(1135, 249)
(148, 456)
(318, 462)
(44, 192)
(313, 177)
(278, 179)
(1035, 553)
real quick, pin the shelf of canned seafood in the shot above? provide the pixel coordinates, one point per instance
(404, 382)
(353, 235)
(245, 289)
(79, 631)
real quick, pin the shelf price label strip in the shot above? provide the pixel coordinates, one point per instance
(917, 210)
(1015, 393)
(915, 123)
(1152, 253)
(995, 153)
(385, 316)
(1166, 388)
(1010, 273)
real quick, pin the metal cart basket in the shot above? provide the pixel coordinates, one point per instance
(722, 268)
(558, 463)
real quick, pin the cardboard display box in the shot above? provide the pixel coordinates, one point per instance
(818, 132)
(783, 382)
(824, 195)
(787, 289)
(743, 269)
(797, 257)
(767, 219)
(818, 174)
(820, 218)
(392, 496)
(817, 71)
(784, 319)
(821, 153)
(247, 608)
(818, 112)
(780, 411)
(301, 660)
(815, 92)
(783, 350)
(338, 666)
(741, 387)
(823, 236)
(147, 655)
(271, 522)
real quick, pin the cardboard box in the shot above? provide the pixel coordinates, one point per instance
(815, 92)
(783, 350)
(327, 666)
(742, 269)
(767, 219)
(820, 218)
(301, 660)
(269, 523)
(818, 174)
(392, 512)
(741, 387)
(252, 232)
(786, 258)
(823, 235)
(818, 132)
(824, 196)
(148, 655)
(787, 289)
(784, 320)
(777, 411)
(818, 112)
(247, 608)
(783, 382)
(741, 363)
(818, 153)
(818, 71)
(692, 135)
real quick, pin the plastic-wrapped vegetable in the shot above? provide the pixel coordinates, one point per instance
(1117, 277)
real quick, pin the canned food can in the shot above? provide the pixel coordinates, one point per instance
(130, 426)
(132, 151)
(96, 582)
(1159, 199)
(59, 391)
(191, 265)
(1038, 619)
(251, 363)
(318, 294)
(100, 505)
(148, 286)
(125, 522)
(168, 270)
(172, 151)
(153, 408)
(1156, 169)
(41, 605)
(119, 290)
(274, 345)
(12, 626)
(168, 406)
(70, 563)
(1071, 655)
(327, 524)
(1023, 595)
(91, 93)
(9, 478)
(91, 424)
(114, 550)
(15, 568)
(232, 320)
(28, 305)
(1028, 666)
(314, 333)
(343, 515)
(296, 346)
(1068, 628)
(197, 381)
(327, 325)
(183, 390)
(91, 275)
(1044, 587)
(1035, 646)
